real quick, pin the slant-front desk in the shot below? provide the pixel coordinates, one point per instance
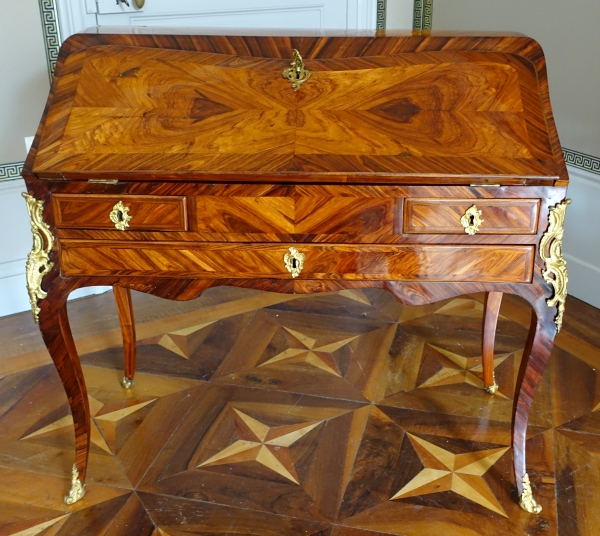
(425, 165)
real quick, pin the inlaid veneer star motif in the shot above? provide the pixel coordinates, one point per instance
(266, 445)
(105, 439)
(458, 369)
(184, 342)
(460, 473)
(312, 351)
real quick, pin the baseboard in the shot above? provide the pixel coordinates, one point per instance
(583, 281)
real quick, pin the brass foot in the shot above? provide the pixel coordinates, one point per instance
(526, 500)
(127, 384)
(77, 490)
(491, 389)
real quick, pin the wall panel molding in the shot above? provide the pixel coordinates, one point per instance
(583, 161)
(423, 19)
(9, 172)
(51, 31)
(381, 14)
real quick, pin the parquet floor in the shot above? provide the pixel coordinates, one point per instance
(343, 414)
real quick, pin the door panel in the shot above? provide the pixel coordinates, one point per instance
(281, 14)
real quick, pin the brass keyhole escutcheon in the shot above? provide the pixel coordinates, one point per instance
(296, 73)
(471, 220)
(294, 261)
(120, 216)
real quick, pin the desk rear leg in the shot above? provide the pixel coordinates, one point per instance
(125, 310)
(491, 310)
(56, 332)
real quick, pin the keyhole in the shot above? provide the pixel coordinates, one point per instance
(293, 263)
(120, 215)
(471, 219)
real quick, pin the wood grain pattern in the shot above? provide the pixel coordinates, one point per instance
(488, 339)
(127, 321)
(310, 213)
(314, 215)
(426, 216)
(146, 212)
(500, 131)
(508, 264)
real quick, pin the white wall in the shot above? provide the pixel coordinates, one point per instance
(581, 244)
(399, 14)
(24, 80)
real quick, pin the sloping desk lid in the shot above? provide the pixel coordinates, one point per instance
(208, 108)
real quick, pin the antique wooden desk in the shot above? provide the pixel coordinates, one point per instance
(426, 165)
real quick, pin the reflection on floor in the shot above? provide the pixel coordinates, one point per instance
(343, 414)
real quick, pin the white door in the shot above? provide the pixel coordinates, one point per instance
(75, 15)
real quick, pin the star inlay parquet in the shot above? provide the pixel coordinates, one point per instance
(343, 414)
(269, 446)
(446, 471)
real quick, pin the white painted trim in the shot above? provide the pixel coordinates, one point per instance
(73, 17)
(361, 15)
(581, 262)
(139, 19)
(12, 268)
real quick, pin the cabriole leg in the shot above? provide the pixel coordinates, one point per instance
(54, 325)
(491, 310)
(535, 357)
(125, 310)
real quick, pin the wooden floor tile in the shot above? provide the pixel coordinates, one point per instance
(342, 414)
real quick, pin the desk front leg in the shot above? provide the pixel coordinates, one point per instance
(56, 332)
(535, 357)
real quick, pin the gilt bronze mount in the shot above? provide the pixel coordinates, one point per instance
(38, 260)
(77, 490)
(555, 271)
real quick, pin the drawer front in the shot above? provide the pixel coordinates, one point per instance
(215, 261)
(357, 216)
(442, 216)
(147, 212)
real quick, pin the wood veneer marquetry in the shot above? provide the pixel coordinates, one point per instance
(146, 212)
(508, 264)
(300, 133)
(427, 216)
(403, 400)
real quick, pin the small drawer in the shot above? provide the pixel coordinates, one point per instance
(143, 212)
(442, 216)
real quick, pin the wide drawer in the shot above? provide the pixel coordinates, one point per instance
(443, 216)
(374, 262)
(146, 212)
